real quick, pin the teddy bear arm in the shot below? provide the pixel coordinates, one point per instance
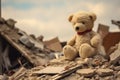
(71, 42)
(96, 40)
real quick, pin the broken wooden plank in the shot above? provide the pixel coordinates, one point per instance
(50, 70)
(66, 72)
(18, 74)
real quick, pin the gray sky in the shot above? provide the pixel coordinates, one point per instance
(49, 17)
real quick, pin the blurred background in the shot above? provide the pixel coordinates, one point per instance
(49, 17)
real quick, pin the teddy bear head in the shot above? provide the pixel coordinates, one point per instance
(82, 21)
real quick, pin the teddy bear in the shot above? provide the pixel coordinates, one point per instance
(85, 42)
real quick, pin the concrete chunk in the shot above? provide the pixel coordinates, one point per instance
(30, 43)
(104, 72)
(25, 40)
(53, 44)
(86, 72)
(11, 23)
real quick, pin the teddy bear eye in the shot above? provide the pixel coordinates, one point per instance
(83, 22)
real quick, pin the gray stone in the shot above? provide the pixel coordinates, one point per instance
(104, 72)
(86, 72)
(11, 23)
(26, 41)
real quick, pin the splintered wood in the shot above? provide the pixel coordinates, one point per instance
(18, 74)
(66, 72)
(50, 70)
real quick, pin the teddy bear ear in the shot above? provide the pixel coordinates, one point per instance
(92, 16)
(70, 18)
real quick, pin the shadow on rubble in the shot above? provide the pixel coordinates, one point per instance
(11, 58)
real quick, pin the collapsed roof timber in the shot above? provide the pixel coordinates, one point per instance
(16, 46)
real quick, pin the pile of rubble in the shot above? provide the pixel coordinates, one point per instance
(25, 57)
(17, 48)
(96, 68)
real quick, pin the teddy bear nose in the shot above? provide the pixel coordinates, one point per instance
(77, 28)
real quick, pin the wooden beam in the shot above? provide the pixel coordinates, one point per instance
(16, 46)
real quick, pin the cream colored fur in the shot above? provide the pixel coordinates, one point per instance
(84, 43)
